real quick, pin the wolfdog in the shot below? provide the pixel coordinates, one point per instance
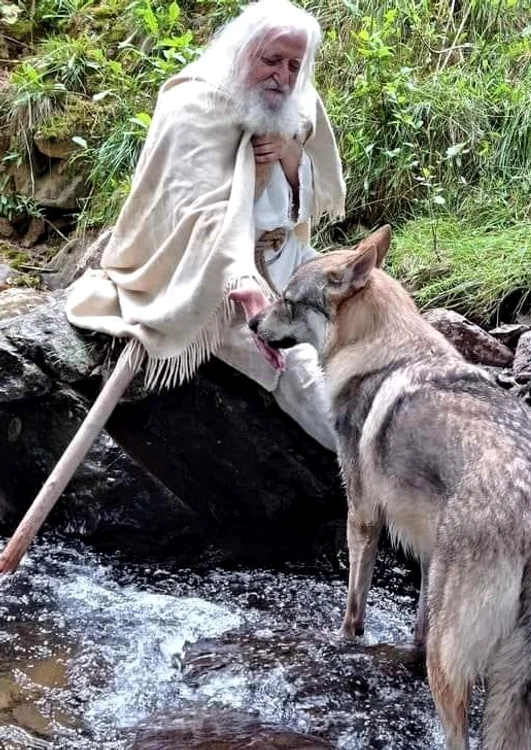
(431, 446)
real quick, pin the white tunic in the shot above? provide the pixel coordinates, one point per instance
(273, 210)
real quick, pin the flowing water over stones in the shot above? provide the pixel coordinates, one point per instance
(102, 654)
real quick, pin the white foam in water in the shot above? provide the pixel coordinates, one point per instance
(145, 632)
(127, 635)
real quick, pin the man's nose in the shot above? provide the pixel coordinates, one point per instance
(282, 74)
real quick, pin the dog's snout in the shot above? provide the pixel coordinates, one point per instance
(254, 323)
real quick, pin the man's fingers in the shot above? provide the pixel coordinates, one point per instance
(265, 149)
(266, 159)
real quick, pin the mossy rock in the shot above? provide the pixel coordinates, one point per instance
(21, 30)
(14, 255)
(80, 117)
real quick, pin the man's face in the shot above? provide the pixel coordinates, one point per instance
(274, 67)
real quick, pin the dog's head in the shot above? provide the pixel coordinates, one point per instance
(307, 310)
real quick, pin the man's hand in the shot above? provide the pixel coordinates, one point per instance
(251, 299)
(272, 147)
(269, 147)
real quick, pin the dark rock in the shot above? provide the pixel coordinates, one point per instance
(522, 357)
(19, 378)
(234, 474)
(475, 344)
(225, 448)
(45, 338)
(109, 494)
(220, 730)
(509, 333)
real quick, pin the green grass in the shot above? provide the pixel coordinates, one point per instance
(472, 270)
(430, 101)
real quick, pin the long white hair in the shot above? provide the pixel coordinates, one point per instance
(226, 58)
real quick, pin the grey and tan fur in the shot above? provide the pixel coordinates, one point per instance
(431, 447)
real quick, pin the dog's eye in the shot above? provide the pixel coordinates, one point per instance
(335, 279)
(290, 307)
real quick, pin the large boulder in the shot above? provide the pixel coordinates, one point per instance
(213, 464)
(475, 344)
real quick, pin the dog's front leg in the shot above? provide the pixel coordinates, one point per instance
(421, 623)
(363, 533)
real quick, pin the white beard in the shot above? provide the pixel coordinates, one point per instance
(253, 113)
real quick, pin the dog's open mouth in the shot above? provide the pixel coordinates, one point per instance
(275, 357)
(253, 302)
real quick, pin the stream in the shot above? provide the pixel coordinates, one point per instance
(102, 653)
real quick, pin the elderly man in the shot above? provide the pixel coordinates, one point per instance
(239, 157)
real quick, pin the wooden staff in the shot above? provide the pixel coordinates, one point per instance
(74, 454)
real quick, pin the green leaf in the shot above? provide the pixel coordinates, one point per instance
(142, 118)
(174, 13)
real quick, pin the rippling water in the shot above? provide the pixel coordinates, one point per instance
(91, 646)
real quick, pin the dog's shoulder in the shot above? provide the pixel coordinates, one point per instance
(352, 402)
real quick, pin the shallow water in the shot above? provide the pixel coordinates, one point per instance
(92, 645)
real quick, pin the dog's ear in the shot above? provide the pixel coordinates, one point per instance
(381, 239)
(354, 274)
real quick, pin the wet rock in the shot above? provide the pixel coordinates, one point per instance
(217, 490)
(220, 730)
(509, 333)
(110, 495)
(45, 338)
(223, 445)
(19, 378)
(28, 717)
(522, 358)
(18, 301)
(475, 344)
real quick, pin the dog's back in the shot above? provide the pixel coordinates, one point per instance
(445, 456)
(430, 446)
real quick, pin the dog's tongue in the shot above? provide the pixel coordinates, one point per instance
(275, 357)
(253, 301)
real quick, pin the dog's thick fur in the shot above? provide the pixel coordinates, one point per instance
(432, 447)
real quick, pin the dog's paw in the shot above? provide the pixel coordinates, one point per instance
(351, 629)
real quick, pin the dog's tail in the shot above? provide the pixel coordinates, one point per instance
(480, 624)
(507, 717)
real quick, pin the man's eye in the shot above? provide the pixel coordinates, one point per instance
(268, 61)
(294, 67)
